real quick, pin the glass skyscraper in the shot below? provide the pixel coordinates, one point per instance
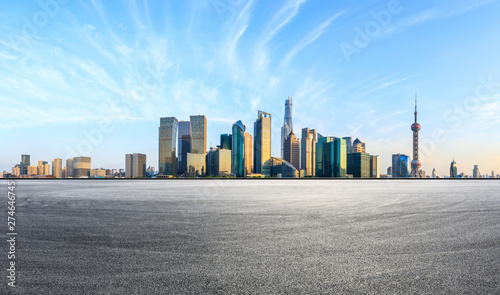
(400, 166)
(184, 145)
(81, 167)
(319, 153)
(198, 134)
(358, 165)
(167, 161)
(334, 158)
(25, 163)
(292, 150)
(308, 151)
(238, 150)
(248, 153)
(262, 140)
(453, 169)
(287, 124)
(225, 141)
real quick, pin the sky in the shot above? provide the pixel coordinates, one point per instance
(93, 78)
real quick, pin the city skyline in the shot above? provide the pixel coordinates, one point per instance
(98, 74)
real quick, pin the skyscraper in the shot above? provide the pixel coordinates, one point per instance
(357, 147)
(358, 165)
(57, 168)
(223, 162)
(184, 145)
(262, 140)
(287, 124)
(319, 154)
(348, 142)
(334, 155)
(69, 168)
(434, 173)
(225, 141)
(25, 162)
(415, 164)
(238, 150)
(475, 172)
(292, 150)
(135, 165)
(196, 164)
(308, 151)
(453, 169)
(167, 161)
(400, 164)
(198, 134)
(374, 167)
(248, 153)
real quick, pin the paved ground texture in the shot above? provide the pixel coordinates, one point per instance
(255, 237)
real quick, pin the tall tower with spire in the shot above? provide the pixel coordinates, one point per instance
(287, 125)
(415, 127)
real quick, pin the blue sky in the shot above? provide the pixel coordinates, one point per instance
(94, 77)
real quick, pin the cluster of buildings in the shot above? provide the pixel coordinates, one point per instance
(182, 152)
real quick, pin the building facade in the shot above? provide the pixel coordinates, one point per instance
(334, 158)
(248, 153)
(262, 140)
(475, 172)
(292, 150)
(198, 134)
(25, 162)
(276, 167)
(225, 141)
(57, 168)
(287, 124)
(222, 162)
(400, 166)
(69, 168)
(183, 146)
(238, 150)
(196, 164)
(81, 167)
(374, 166)
(358, 165)
(135, 165)
(319, 154)
(167, 160)
(308, 151)
(453, 169)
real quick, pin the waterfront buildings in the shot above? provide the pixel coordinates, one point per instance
(308, 151)
(357, 147)
(167, 161)
(196, 165)
(57, 168)
(453, 169)
(25, 162)
(238, 150)
(262, 140)
(81, 167)
(184, 145)
(135, 165)
(400, 166)
(319, 154)
(198, 126)
(292, 150)
(248, 153)
(334, 155)
(222, 162)
(374, 166)
(434, 173)
(287, 124)
(32, 170)
(69, 168)
(276, 167)
(475, 172)
(225, 141)
(358, 165)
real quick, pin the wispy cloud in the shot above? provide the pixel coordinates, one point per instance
(389, 84)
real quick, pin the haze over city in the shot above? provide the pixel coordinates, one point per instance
(352, 70)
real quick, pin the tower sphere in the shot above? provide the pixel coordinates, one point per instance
(415, 127)
(415, 164)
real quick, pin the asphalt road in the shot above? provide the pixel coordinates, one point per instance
(255, 237)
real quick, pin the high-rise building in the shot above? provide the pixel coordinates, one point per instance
(415, 164)
(16, 170)
(475, 172)
(223, 162)
(81, 167)
(453, 169)
(374, 167)
(319, 154)
(400, 166)
(434, 173)
(358, 165)
(167, 161)
(292, 150)
(25, 162)
(135, 165)
(198, 134)
(348, 142)
(357, 147)
(32, 170)
(262, 140)
(389, 170)
(225, 141)
(334, 154)
(276, 167)
(184, 145)
(210, 165)
(287, 124)
(238, 150)
(41, 168)
(57, 168)
(248, 153)
(69, 168)
(196, 164)
(308, 151)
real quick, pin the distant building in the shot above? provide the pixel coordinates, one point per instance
(167, 160)
(453, 169)
(81, 167)
(320, 155)
(308, 151)
(389, 170)
(400, 166)
(184, 145)
(475, 172)
(348, 142)
(292, 150)
(374, 167)
(238, 150)
(25, 162)
(97, 173)
(287, 124)
(198, 134)
(210, 162)
(334, 157)
(225, 141)
(276, 167)
(248, 153)
(222, 162)
(196, 164)
(262, 140)
(434, 173)
(69, 168)
(33, 170)
(357, 147)
(57, 168)
(358, 165)
(16, 170)
(135, 165)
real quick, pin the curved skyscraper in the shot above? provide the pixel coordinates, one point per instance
(238, 150)
(287, 124)
(415, 127)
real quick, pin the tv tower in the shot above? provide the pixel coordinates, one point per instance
(415, 164)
